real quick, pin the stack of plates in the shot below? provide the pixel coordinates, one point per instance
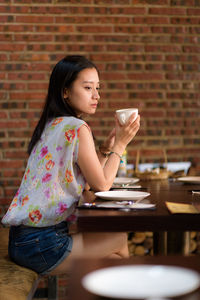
(121, 199)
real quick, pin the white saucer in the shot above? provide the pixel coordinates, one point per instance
(112, 204)
(125, 180)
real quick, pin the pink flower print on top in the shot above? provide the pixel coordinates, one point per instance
(48, 156)
(61, 208)
(17, 193)
(47, 193)
(46, 177)
(12, 205)
(78, 132)
(14, 202)
(43, 152)
(57, 121)
(72, 218)
(26, 174)
(49, 165)
(35, 216)
(68, 176)
(70, 135)
(61, 162)
(58, 148)
(25, 200)
(34, 150)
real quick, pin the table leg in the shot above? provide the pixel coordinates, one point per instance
(160, 243)
(171, 242)
(176, 242)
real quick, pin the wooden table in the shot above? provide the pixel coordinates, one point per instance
(83, 266)
(159, 220)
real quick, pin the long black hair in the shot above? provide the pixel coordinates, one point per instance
(63, 75)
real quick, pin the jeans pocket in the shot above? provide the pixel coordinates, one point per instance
(62, 238)
(32, 242)
(28, 254)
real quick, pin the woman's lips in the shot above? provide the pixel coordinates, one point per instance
(94, 105)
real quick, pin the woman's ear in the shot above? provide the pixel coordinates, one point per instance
(65, 94)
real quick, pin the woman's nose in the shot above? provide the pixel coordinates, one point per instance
(96, 95)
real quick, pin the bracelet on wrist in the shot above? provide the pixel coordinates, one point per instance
(113, 152)
(104, 151)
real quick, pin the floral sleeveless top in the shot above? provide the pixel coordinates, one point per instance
(52, 182)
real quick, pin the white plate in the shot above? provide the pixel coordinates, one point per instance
(190, 179)
(122, 205)
(122, 195)
(125, 188)
(142, 281)
(125, 180)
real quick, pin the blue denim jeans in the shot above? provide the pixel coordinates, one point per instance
(40, 249)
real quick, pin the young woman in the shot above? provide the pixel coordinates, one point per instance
(62, 163)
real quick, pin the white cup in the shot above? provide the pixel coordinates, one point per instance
(124, 114)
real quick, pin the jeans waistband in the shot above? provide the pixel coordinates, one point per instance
(25, 228)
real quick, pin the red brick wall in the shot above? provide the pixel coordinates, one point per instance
(148, 52)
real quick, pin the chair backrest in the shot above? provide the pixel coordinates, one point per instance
(4, 234)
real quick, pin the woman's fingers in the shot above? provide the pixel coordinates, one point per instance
(133, 125)
(125, 133)
(131, 128)
(112, 133)
(132, 119)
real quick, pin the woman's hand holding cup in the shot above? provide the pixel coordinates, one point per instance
(128, 124)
